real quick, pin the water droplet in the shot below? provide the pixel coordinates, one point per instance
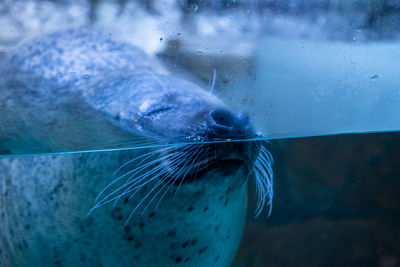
(354, 38)
(161, 39)
(195, 8)
(374, 77)
(86, 76)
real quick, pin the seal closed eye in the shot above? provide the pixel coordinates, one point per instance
(160, 110)
(181, 200)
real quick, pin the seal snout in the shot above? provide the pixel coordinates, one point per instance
(226, 124)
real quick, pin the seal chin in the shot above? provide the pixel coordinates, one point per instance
(227, 171)
(229, 166)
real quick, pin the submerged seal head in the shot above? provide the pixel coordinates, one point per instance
(169, 110)
(180, 200)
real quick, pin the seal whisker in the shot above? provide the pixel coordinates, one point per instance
(213, 81)
(108, 198)
(183, 169)
(133, 172)
(173, 179)
(260, 189)
(188, 169)
(129, 180)
(264, 180)
(122, 176)
(148, 194)
(198, 163)
(266, 159)
(134, 186)
(144, 155)
(176, 157)
(155, 195)
(267, 154)
(264, 190)
(204, 156)
(265, 164)
(164, 171)
(172, 182)
(135, 181)
(136, 169)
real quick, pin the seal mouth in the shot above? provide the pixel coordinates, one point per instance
(226, 166)
(226, 159)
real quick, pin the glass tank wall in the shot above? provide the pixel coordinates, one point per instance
(141, 133)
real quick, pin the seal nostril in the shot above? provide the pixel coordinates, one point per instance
(223, 117)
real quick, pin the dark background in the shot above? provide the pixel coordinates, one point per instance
(336, 203)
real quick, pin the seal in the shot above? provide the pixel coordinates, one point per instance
(182, 201)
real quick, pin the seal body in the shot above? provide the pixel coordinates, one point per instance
(45, 201)
(166, 206)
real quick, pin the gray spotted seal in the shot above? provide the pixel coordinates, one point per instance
(163, 205)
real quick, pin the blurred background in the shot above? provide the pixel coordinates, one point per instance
(347, 20)
(337, 198)
(336, 203)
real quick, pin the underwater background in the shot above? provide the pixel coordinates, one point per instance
(336, 198)
(336, 203)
